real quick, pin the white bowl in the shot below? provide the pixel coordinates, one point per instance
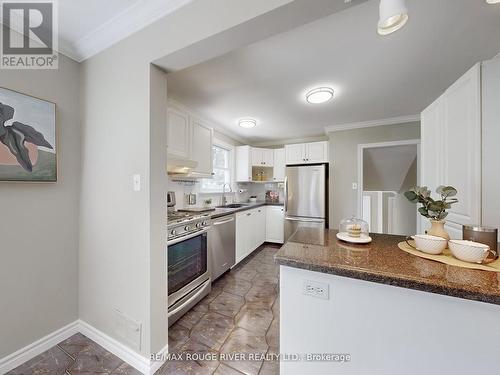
(469, 251)
(430, 244)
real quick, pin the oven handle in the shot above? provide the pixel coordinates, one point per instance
(180, 239)
(184, 303)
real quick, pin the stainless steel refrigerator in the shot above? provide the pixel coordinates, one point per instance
(306, 199)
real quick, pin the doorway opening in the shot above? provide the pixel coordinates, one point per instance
(385, 172)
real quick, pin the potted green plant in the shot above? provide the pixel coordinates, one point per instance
(434, 210)
(208, 202)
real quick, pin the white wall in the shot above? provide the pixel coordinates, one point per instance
(387, 330)
(116, 251)
(39, 222)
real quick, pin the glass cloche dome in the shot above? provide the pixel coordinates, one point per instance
(354, 228)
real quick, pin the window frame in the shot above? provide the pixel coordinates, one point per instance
(230, 148)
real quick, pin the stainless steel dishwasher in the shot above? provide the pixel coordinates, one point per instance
(222, 242)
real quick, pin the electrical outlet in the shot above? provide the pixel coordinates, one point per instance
(316, 289)
(354, 186)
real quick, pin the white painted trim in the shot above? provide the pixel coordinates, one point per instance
(370, 124)
(131, 357)
(132, 19)
(362, 147)
(30, 351)
(123, 352)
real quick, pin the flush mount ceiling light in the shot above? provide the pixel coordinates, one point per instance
(393, 16)
(493, 1)
(319, 95)
(247, 123)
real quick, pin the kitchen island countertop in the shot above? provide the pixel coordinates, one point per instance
(383, 262)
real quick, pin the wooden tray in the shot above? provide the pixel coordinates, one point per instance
(447, 258)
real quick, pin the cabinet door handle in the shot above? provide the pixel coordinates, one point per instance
(249, 214)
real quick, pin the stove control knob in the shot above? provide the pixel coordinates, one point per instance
(204, 223)
(187, 227)
(199, 225)
(173, 232)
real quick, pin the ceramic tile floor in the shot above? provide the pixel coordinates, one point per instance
(240, 315)
(77, 355)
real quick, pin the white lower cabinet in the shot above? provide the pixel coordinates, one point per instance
(250, 232)
(256, 226)
(275, 224)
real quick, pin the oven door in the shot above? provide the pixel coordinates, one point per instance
(187, 264)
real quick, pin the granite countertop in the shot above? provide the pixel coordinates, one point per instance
(383, 262)
(219, 212)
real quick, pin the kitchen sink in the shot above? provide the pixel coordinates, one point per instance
(233, 205)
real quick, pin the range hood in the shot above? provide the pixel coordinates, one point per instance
(181, 167)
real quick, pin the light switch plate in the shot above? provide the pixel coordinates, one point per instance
(354, 186)
(137, 182)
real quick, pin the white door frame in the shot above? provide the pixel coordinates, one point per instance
(362, 147)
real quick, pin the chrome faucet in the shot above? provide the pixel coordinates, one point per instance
(223, 197)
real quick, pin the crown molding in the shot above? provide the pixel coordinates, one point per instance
(129, 21)
(370, 124)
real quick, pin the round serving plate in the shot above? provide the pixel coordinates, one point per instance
(345, 237)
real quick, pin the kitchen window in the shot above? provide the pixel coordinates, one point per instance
(222, 166)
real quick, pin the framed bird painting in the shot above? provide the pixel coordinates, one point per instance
(28, 138)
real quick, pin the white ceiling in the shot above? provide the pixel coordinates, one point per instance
(90, 26)
(374, 77)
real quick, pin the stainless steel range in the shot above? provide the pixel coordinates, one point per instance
(188, 271)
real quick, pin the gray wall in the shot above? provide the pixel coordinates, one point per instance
(39, 222)
(344, 163)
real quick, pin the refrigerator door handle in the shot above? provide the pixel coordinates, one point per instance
(305, 220)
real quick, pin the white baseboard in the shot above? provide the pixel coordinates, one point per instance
(38, 347)
(134, 359)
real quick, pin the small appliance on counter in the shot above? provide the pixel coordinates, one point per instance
(252, 199)
(484, 235)
(354, 230)
(272, 196)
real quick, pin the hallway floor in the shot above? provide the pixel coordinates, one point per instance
(240, 315)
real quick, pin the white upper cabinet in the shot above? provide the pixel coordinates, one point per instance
(451, 146)
(243, 164)
(317, 152)
(201, 147)
(178, 133)
(279, 171)
(307, 153)
(190, 138)
(262, 157)
(295, 154)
